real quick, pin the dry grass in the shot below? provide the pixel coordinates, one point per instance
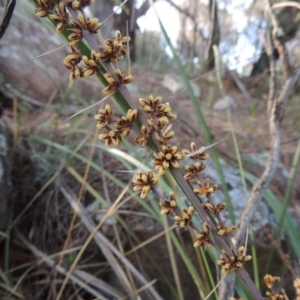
(65, 244)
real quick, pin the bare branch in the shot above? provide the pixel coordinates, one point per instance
(272, 84)
(278, 41)
(276, 110)
(262, 184)
(287, 3)
(186, 13)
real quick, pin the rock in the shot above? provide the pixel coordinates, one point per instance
(175, 84)
(237, 194)
(224, 103)
(38, 79)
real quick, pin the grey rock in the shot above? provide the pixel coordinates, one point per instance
(175, 84)
(40, 78)
(237, 195)
(224, 103)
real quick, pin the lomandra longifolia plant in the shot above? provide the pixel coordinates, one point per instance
(149, 118)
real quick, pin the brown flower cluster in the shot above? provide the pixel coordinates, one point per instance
(79, 4)
(144, 182)
(115, 48)
(197, 167)
(113, 84)
(215, 209)
(160, 115)
(206, 187)
(269, 281)
(83, 65)
(233, 262)
(114, 129)
(102, 62)
(168, 207)
(195, 153)
(142, 139)
(225, 230)
(186, 217)
(194, 170)
(297, 287)
(168, 156)
(203, 239)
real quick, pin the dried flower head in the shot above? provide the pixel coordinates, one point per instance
(41, 12)
(104, 117)
(150, 105)
(166, 157)
(186, 217)
(270, 280)
(164, 138)
(202, 239)
(144, 182)
(162, 111)
(297, 283)
(206, 187)
(273, 296)
(111, 137)
(108, 55)
(208, 206)
(233, 262)
(61, 17)
(75, 72)
(45, 7)
(124, 124)
(112, 85)
(157, 125)
(79, 4)
(195, 153)
(76, 36)
(142, 139)
(122, 42)
(168, 206)
(123, 79)
(91, 25)
(224, 230)
(116, 48)
(194, 170)
(73, 59)
(297, 287)
(165, 111)
(91, 63)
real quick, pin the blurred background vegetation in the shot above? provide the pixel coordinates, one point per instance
(49, 163)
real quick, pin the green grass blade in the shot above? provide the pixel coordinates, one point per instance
(200, 117)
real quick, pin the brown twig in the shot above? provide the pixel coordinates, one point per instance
(272, 84)
(278, 41)
(275, 118)
(262, 184)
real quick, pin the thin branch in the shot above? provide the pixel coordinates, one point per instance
(278, 41)
(275, 117)
(287, 3)
(272, 84)
(263, 182)
(187, 13)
